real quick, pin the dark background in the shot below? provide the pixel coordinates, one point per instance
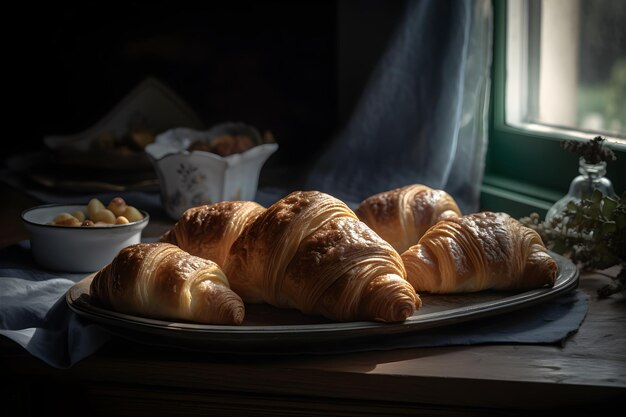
(295, 68)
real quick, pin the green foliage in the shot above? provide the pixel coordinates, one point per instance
(592, 233)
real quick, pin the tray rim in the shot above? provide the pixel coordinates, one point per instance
(249, 337)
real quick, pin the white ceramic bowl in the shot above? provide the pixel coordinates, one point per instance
(76, 249)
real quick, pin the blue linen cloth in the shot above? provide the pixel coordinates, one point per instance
(34, 314)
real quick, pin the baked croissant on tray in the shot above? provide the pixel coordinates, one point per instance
(402, 215)
(208, 231)
(310, 252)
(160, 280)
(479, 251)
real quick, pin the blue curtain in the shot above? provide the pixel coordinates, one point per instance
(423, 115)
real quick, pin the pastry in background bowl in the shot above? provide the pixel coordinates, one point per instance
(198, 167)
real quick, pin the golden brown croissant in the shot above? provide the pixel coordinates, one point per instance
(402, 215)
(160, 280)
(208, 231)
(479, 251)
(308, 251)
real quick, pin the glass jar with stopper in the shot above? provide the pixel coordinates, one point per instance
(593, 156)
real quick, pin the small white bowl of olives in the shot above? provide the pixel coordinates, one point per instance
(82, 237)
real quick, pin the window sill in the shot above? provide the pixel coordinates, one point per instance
(617, 144)
(514, 197)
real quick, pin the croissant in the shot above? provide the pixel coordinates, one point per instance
(208, 231)
(160, 280)
(402, 215)
(479, 251)
(309, 251)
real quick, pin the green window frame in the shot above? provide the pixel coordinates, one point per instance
(527, 171)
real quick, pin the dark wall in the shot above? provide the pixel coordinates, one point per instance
(282, 66)
(364, 30)
(271, 64)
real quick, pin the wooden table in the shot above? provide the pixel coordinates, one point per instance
(587, 374)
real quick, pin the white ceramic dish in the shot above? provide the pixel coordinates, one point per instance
(76, 249)
(189, 179)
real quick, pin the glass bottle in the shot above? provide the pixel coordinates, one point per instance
(592, 177)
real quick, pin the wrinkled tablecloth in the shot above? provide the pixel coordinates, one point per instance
(34, 312)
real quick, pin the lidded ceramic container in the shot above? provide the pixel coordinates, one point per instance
(203, 167)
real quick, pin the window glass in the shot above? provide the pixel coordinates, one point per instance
(566, 66)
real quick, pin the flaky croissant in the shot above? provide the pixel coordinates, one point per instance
(402, 215)
(479, 251)
(308, 251)
(160, 280)
(209, 230)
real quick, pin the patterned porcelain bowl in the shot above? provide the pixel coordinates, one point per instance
(192, 175)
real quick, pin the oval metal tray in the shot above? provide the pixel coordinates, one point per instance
(270, 329)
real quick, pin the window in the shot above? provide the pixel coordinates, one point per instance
(566, 66)
(559, 72)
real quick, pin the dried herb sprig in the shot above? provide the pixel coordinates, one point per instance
(592, 151)
(592, 233)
